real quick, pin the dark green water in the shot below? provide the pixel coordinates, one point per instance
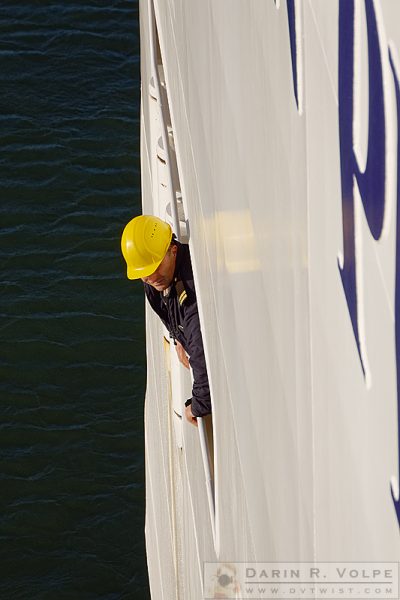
(72, 364)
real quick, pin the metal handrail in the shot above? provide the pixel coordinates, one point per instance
(164, 131)
(205, 451)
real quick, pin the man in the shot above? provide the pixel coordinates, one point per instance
(153, 255)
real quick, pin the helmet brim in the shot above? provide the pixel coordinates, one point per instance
(135, 273)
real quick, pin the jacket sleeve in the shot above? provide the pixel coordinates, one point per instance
(201, 400)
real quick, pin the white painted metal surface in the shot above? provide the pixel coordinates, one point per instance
(305, 440)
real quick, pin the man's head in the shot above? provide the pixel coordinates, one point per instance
(148, 251)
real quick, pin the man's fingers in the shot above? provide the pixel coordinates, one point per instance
(190, 417)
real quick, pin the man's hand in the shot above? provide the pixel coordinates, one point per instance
(189, 415)
(182, 355)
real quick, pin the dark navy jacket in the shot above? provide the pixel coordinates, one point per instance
(178, 311)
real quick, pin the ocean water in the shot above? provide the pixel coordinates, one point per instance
(72, 364)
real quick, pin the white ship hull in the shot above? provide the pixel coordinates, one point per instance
(288, 164)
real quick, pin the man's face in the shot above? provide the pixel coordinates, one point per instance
(162, 277)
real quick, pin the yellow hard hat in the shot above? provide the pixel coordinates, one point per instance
(144, 243)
